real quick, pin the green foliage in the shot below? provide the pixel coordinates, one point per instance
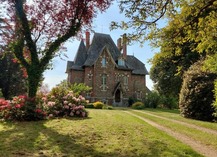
(35, 41)
(12, 81)
(169, 102)
(107, 107)
(131, 101)
(152, 100)
(142, 15)
(1, 95)
(215, 102)
(98, 105)
(138, 105)
(77, 88)
(196, 96)
(89, 105)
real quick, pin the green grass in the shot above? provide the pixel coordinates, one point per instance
(175, 114)
(105, 133)
(203, 137)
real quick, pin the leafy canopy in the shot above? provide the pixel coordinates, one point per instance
(35, 30)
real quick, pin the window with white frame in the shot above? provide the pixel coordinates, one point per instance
(103, 62)
(125, 80)
(104, 82)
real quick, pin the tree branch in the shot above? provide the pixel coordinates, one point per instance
(26, 31)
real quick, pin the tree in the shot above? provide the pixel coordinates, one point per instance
(144, 15)
(196, 96)
(36, 30)
(12, 79)
(180, 44)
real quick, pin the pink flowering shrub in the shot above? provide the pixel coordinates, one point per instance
(18, 109)
(67, 105)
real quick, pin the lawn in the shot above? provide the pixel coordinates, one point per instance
(104, 133)
(195, 134)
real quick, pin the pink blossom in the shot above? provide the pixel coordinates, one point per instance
(18, 106)
(51, 103)
(44, 98)
(77, 112)
(38, 111)
(50, 115)
(83, 114)
(66, 106)
(65, 102)
(71, 114)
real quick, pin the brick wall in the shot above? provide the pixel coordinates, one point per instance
(92, 76)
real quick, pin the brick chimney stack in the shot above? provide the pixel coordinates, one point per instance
(124, 46)
(87, 39)
(119, 44)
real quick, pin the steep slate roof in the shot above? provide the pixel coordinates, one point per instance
(136, 65)
(69, 65)
(100, 41)
(80, 57)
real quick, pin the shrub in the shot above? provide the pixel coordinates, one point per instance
(196, 96)
(168, 102)
(215, 102)
(1, 95)
(77, 88)
(131, 101)
(152, 100)
(98, 105)
(107, 107)
(138, 105)
(67, 105)
(19, 109)
(90, 105)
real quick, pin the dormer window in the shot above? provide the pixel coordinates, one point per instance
(121, 62)
(103, 62)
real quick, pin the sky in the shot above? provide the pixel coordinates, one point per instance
(100, 25)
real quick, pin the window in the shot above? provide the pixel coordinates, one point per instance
(121, 62)
(125, 80)
(139, 95)
(117, 78)
(103, 62)
(104, 82)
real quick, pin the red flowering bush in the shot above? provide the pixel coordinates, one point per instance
(50, 105)
(68, 105)
(18, 109)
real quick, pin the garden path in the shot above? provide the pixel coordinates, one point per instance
(196, 145)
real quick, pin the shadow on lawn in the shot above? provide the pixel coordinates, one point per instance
(36, 139)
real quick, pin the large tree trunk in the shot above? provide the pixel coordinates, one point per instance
(34, 78)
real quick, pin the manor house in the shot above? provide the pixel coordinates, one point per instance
(113, 75)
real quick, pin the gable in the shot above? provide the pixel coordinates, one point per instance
(98, 43)
(105, 53)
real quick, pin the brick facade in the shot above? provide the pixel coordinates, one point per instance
(110, 82)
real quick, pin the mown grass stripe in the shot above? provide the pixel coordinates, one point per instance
(211, 131)
(196, 145)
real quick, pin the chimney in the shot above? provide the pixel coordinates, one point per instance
(124, 46)
(87, 39)
(119, 44)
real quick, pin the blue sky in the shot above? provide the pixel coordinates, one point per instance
(101, 25)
